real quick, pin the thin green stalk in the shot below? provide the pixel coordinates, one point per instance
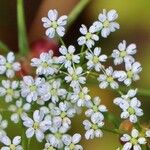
(77, 10)
(3, 47)
(61, 41)
(29, 141)
(141, 91)
(115, 131)
(23, 139)
(22, 37)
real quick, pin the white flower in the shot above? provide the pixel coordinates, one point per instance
(62, 114)
(54, 24)
(95, 58)
(49, 146)
(9, 90)
(94, 107)
(148, 133)
(89, 36)
(45, 64)
(124, 53)
(8, 65)
(71, 143)
(75, 76)
(18, 110)
(130, 106)
(133, 141)
(55, 137)
(30, 88)
(93, 128)
(106, 23)
(3, 126)
(133, 69)
(107, 79)
(80, 96)
(52, 91)
(14, 145)
(38, 125)
(68, 57)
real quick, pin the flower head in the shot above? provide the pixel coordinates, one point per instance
(124, 53)
(8, 65)
(94, 106)
(36, 126)
(88, 37)
(106, 22)
(95, 58)
(46, 64)
(68, 57)
(11, 145)
(93, 127)
(53, 24)
(30, 88)
(71, 143)
(133, 141)
(80, 96)
(9, 90)
(75, 77)
(18, 110)
(108, 79)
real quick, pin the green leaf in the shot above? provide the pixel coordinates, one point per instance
(22, 35)
(77, 10)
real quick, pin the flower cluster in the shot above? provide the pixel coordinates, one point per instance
(46, 103)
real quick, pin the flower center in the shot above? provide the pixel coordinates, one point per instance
(72, 146)
(8, 66)
(110, 79)
(12, 147)
(36, 125)
(63, 114)
(69, 56)
(131, 110)
(130, 74)
(54, 24)
(10, 91)
(74, 77)
(88, 36)
(51, 148)
(45, 65)
(106, 23)
(94, 126)
(19, 111)
(95, 108)
(58, 135)
(123, 54)
(81, 95)
(53, 92)
(33, 88)
(134, 141)
(95, 59)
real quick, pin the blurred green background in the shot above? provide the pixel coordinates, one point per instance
(135, 28)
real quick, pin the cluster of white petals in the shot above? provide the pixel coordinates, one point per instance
(46, 102)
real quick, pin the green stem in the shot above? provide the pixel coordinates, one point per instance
(22, 37)
(77, 10)
(115, 131)
(29, 141)
(3, 47)
(141, 91)
(61, 41)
